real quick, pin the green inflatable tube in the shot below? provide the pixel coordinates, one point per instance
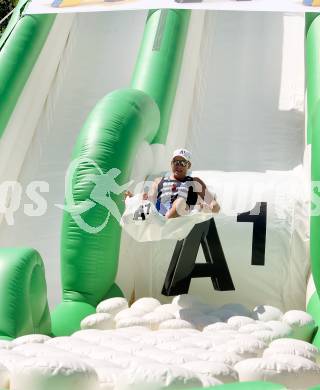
(313, 308)
(23, 293)
(14, 19)
(309, 18)
(313, 90)
(18, 55)
(159, 62)
(67, 316)
(312, 67)
(90, 246)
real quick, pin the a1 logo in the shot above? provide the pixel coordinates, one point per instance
(142, 212)
(183, 267)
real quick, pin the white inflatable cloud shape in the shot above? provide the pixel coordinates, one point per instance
(294, 372)
(112, 306)
(52, 373)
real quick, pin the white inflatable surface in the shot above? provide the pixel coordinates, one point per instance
(174, 357)
(302, 324)
(52, 373)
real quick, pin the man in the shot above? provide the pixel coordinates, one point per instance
(176, 193)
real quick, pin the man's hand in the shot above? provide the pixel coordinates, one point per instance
(214, 206)
(208, 201)
(128, 194)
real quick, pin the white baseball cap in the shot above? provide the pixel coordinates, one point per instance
(182, 153)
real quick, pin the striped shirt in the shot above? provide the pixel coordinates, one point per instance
(170, 189)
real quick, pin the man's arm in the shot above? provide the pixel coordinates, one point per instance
(206, 195)
(147, 195)
(153, 192)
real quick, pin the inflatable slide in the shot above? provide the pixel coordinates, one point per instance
(94, 104)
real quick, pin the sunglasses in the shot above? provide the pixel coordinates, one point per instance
(182, 163)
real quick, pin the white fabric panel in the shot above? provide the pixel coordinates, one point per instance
(103, 321)
(182, 108)
(294, 372)
(54, 372)
(112, 306)
(86, 73)
(292, 78)
(247, 109)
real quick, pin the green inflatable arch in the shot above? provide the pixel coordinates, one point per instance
(109, 139)
(313, 109)
(23, 291)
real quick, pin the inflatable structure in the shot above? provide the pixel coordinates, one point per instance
(94, 104)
